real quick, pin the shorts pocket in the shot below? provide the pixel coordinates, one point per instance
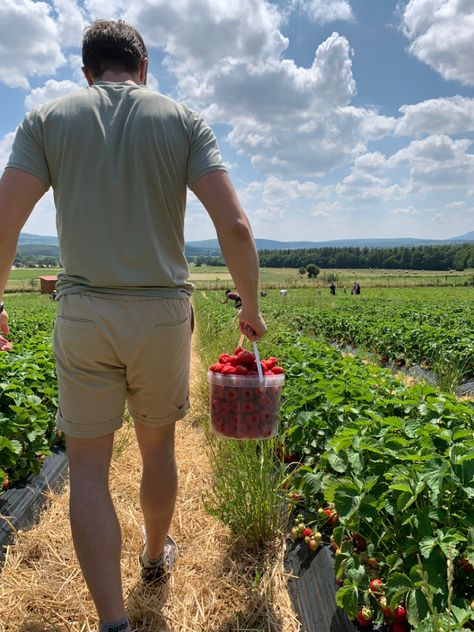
(172, 313)
(76, 323)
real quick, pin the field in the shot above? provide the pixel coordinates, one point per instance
(379, 469)
(217, 277)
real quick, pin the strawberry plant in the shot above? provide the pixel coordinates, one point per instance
(28, 390)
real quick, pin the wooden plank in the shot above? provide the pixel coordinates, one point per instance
(20, 505)
(313, 590)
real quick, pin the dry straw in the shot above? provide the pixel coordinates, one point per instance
(215, 587)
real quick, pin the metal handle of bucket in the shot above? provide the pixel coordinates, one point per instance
(257, 357)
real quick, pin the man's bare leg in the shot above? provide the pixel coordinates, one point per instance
(94, 525)
(159, 483)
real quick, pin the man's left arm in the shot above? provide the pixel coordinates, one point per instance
(19, 192)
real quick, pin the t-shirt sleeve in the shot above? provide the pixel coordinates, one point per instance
(28, 151)
(204, 155)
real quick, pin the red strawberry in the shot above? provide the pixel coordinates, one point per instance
(216, 368)
(224, 407)
(248, 407)
(232, 394)
(400, 614)
(218, 391)
(237, 350)
(278, 370)
(228, 369)
(241, 370)
(235, 406)
(224, 358)
(376, 585)
(246, 358)
(264, 401)
(365, 617)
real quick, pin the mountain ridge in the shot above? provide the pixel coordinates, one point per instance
(211, 246)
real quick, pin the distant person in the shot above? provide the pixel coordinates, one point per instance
(332, 288)
(233, 296)
(263, 293)
(283, 292)
(54, 294)
(357, 288)
(354, 288)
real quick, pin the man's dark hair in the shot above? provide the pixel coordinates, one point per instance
(109, 45)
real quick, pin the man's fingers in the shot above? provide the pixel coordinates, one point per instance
(5, 345)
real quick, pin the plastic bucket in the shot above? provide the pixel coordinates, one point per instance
(244, 407)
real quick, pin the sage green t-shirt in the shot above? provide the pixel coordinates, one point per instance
(119, 158)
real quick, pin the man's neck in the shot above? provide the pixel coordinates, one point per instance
(119, 77)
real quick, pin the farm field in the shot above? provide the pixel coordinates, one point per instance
(380, 471)
(290, 278)
(218, 277)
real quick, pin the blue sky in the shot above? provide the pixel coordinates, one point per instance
(336, 118)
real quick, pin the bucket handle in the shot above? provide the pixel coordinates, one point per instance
(257, 357)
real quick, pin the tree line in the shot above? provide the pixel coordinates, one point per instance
(440, 257)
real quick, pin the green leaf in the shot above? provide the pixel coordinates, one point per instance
(347, 598)
(418, 607)
(336, 462)
(427, 545)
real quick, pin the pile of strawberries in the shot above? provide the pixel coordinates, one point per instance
(243, 410)
(243, 362)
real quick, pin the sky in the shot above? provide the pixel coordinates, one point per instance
(337, 119)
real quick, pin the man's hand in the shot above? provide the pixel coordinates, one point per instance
(5, 345)
(252, 325)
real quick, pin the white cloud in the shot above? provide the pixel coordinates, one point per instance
(437, 161)
(448, 115)
(198, 34)
(405, 210)
(361, 186)
(51, 90)
(5, 148)
(71, 22)
(455, 205)
(371, 162)
(323, 11)
(371, 125)
(289, 119)
(441, 35)
(29, 42)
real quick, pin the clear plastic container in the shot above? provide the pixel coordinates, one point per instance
(244, 407)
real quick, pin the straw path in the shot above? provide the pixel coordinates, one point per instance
(215, 587)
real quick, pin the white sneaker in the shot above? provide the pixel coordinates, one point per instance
(157, 571)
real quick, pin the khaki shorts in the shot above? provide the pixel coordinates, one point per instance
(112, 352)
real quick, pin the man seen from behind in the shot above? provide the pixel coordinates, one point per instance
(119, 158)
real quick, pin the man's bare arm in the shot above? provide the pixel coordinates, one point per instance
(217, 194)
(19, 192)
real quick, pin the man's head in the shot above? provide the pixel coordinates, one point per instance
(112, 46)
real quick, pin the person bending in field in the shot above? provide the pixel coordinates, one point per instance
(120, 158)
(233, 296)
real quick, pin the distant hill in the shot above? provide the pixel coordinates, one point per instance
(466, 237)
(210, 247)
(28, 238)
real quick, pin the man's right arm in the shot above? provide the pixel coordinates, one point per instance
(19, 192)
(216, 192)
